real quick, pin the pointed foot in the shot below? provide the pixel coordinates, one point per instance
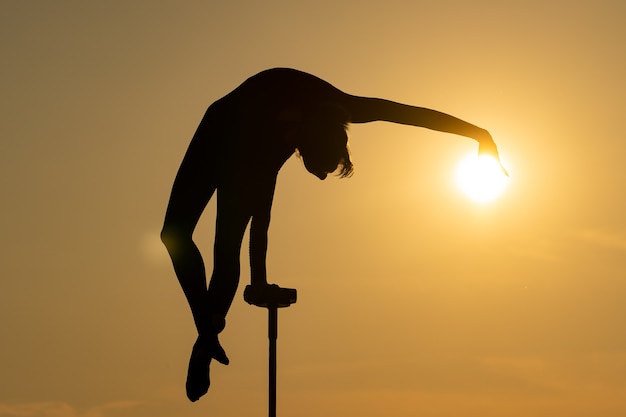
(204, 350)
(198, 381)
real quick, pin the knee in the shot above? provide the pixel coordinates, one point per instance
(168, 235)
(173, 237)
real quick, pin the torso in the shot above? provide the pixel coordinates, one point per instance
(259, 119)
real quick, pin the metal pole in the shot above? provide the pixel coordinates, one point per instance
(271, 297)
(273, 336)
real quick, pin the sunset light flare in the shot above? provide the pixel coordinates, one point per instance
(481, 178)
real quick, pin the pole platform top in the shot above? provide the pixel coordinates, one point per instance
(269, 296)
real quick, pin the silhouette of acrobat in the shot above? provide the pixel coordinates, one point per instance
(240, 145)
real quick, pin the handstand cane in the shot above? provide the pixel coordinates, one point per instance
(271, 297)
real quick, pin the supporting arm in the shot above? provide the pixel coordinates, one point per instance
(258, 250)
(258, 233)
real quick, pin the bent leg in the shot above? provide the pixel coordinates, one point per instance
(230, 227)
(193, 187)
(195, 183)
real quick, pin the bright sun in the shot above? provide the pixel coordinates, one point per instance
(481, 178)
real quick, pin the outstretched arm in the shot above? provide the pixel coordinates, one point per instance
(365, 109)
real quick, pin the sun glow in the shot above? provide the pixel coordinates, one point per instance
(481, 178)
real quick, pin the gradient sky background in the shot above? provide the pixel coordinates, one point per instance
(413, 301)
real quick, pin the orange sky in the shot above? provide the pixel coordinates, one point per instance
(413, 300)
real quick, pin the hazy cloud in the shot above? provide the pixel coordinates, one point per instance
(540, 249)
(61, 409)
(608, 239)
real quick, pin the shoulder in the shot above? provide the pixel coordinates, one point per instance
(284, 73)
(276, 90)
(286, 80)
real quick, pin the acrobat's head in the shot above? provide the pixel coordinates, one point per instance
(323, 141)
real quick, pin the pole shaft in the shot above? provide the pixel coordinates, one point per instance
(273, 335)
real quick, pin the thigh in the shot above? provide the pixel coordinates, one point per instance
(195, 183)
